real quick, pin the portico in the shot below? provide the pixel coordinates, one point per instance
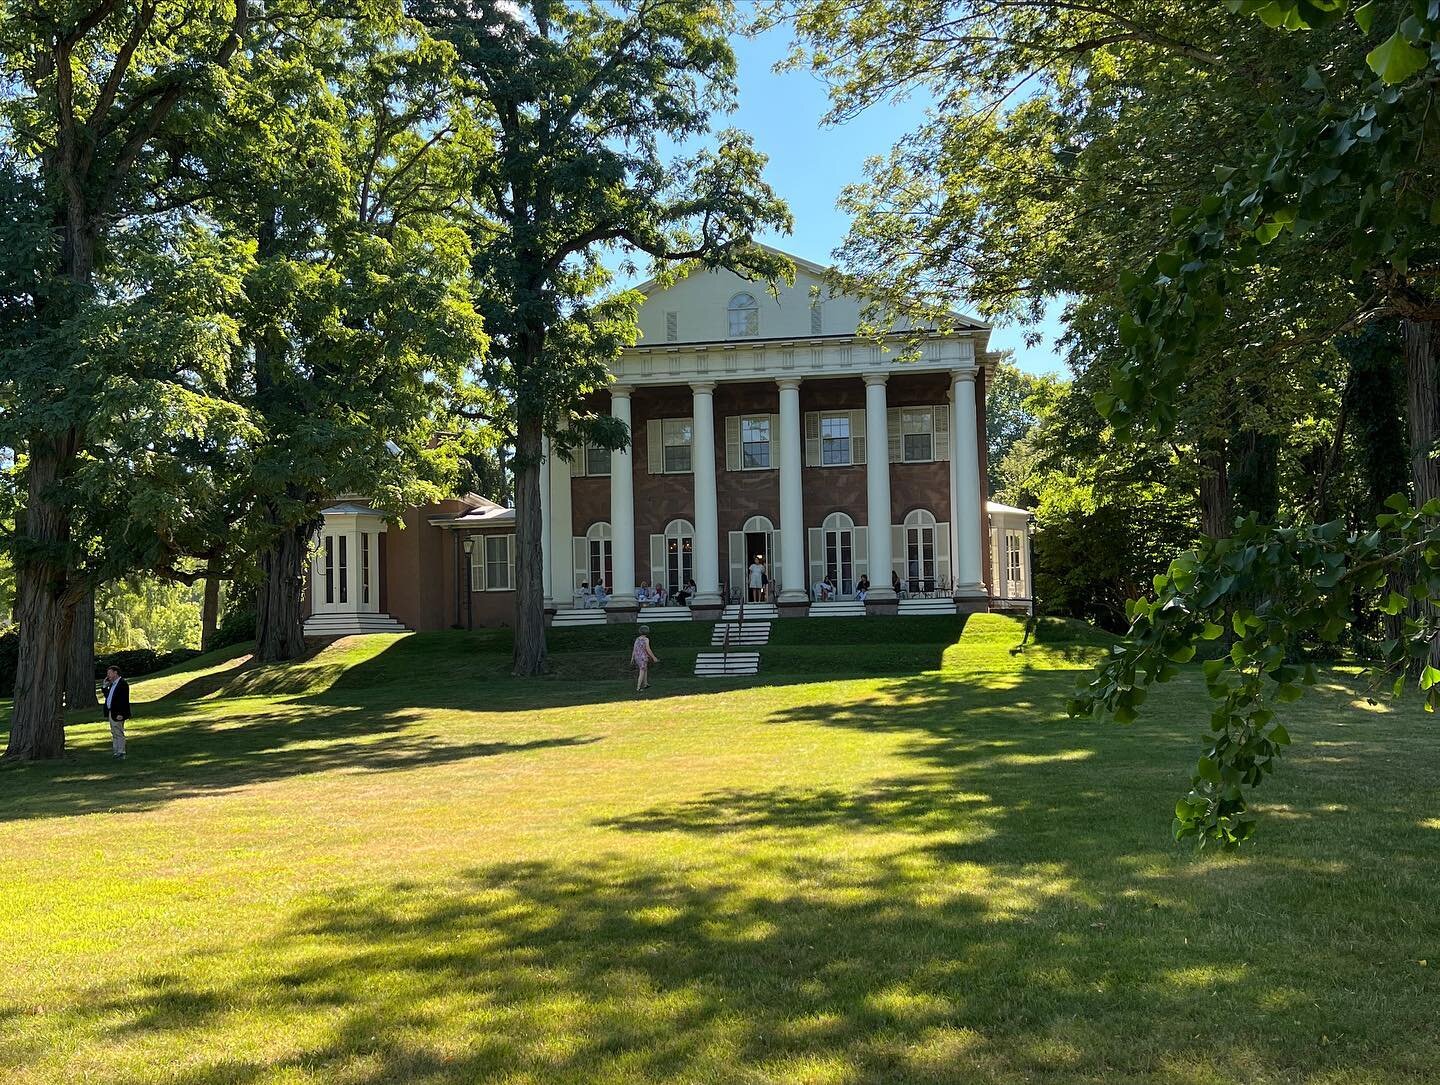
(840, 462)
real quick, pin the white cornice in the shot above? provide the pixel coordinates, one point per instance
(752, 360)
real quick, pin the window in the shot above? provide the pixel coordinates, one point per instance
(744, 316)
(839, 555)
(597, 460)
(497, 562)
(329, 568)
(344, 571)
(599, 568)
(1014, 563)
(835, 439)
(672, 326)
(679, 554)
(917, 434)
(676, 435)
(365, 567)
(920, 551)
(755, 442)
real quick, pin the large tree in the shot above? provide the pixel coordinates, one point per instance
(580, 106)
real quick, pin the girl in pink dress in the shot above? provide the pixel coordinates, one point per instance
(642, 657)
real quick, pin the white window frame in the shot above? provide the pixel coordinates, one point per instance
(769, 442)
(680, 553)
(907, 431)
(671, 437)
(921, 533)
(849, 439)
(742, 316)
(481, 562)
(590, 467)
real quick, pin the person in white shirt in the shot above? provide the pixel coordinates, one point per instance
(757, 579)
(117, 709)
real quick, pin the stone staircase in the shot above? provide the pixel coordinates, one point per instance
(566, 617)
(739, 637)
(838, 608)
(348, 625)
(663, 614)
(739, 633)
(942, 605)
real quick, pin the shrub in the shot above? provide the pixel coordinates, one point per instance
(237, 623)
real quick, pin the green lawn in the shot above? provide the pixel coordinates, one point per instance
(394, 864)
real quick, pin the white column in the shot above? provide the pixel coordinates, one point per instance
(556, 501)
(792, 504)
(622, 504)
(965, 490)
(547, 545)
(707, 519)
(877, 486)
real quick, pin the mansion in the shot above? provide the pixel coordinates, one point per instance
(764, 429)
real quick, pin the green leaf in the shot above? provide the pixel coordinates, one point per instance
(1280, 736)
(1183, 654)
(1395, 60)
(1207, 769)
(1429, 677)
(1211, 631)
(1394, 604)
(1365, 15)
(1287, 693)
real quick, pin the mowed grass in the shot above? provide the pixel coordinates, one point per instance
(891, 859)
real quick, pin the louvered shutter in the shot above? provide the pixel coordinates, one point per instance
(942, 555)
(942, 431)
(657, 560)
(861, 553)
(510, 562)
(775, 560)
(857, 436)
(672, 326)
(774, 440)
(581, 566)
(817, 559)
(812, 439)
(738, 564)
(892, 422)
(655, 446)
(580, 465)
(898, 556)
(817, 320)
(733, 461)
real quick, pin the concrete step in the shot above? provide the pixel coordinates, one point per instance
(345, 625)
(754, 612)
(664, 614)
(568, 616)
(838, 608)
(943, 605)
(738, 633)
(720, 664)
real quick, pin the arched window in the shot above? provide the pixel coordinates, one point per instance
(838, 532)
(744, 316)
(758, 523)
(679, 554)
(599, 566)
(920, 551)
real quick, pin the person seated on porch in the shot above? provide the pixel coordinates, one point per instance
(862, 588)
(825, 589)
(896, 586)
(585, 595)
(643, 595)
(685, 594)
(601, 597)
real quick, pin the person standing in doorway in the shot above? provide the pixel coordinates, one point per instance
(117, 709)
(642, 656)
(757, 579)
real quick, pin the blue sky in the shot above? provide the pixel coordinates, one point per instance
(809, 165)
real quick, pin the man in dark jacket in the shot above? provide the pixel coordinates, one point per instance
(117, 709)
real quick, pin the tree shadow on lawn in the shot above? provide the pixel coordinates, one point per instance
(196, 754)
(775, 968)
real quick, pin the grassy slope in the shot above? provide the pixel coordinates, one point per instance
(391, 863)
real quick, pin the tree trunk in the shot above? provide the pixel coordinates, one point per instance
(1255, 474)
(279, 623)
(1214, 492)
(530, 650)
(42, 607)
(1422, 395)
(210, 607)
(1422, 388)
(80, 676)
